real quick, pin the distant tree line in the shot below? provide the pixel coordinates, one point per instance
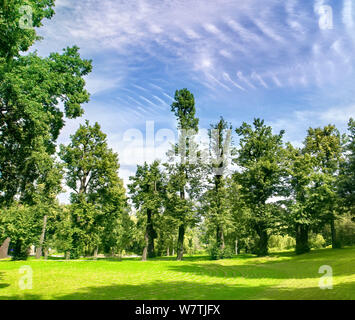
(249, 195)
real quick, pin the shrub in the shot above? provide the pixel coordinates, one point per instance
(217, 253)
(279, 242)
(317, 241)
(346, 231)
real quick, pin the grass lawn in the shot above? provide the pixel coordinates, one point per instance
(279, 276)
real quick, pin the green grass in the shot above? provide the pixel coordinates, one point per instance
(279, 276)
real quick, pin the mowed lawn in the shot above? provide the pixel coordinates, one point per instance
(280, 276)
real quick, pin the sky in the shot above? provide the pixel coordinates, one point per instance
(288, 62)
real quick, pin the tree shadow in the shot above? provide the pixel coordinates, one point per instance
(343, 291)
(295, 267)
(158, 290)
(184, 290)
(3, 285)
(24, 296)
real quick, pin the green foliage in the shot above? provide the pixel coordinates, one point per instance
(13, 39)
(279, 242)
(346, 230)
(184, 168)
(217, 253)
(317, 241)
(98, 198)
(346, 180)
(261, 158)
(184, 109)
(147, 194)
(23, 225)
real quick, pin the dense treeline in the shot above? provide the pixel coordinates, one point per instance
(252, 194)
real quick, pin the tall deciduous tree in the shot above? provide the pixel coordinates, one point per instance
(302, 211)
(147, 194)
(98, 196)
(260, 157)
(216, 208)
(347, 173)
(31, 89)
(325, 145)
(183, 165)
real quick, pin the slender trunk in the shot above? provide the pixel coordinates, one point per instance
(335, 243)
(302, 245)
(4, 248)
(67, 255)
(262, 245)
(41, 240)
(145, 250)
(236, 246)
(180, 244)
(168, 251)
(220, 238)
(45, 252)
(151, 234)
(96, 251)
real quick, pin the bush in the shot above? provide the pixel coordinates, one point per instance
(279, 242)
(217, 253)
(345, 231)
(317, 241)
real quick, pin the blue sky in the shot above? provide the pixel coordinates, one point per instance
(272, 59)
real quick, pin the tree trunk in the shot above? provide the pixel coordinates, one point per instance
(67, 255)
(220, 238)
(262, 245)
(41, 240)
(335, 243)
(168, 251)
(145, 250)
(151, 234)
(45, 252)
(4, 248)
(180, 244)
(96, 251)
(302, 245)
(236, 246)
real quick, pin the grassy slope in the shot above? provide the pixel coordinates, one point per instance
(280, 276)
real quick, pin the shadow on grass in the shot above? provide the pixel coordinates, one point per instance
(184, 290)
(158, 290)
(343, 291)
(3, 285)
(24, 296)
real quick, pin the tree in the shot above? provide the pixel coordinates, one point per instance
(183, 167)
(325, 145)
(31, 119)
(347, 171)
(21, 223)
(302, 210)
(147, 191)
(31, 89)
(215, 203)
(261, 158)
(98, 196)
(15, 38)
